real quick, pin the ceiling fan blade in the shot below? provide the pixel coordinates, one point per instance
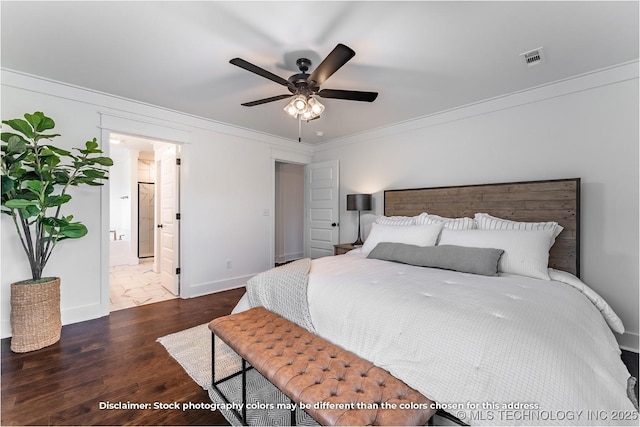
(265, 100)
(259, 71)
(336, 59)
(351, 95)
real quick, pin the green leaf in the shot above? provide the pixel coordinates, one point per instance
(104, 161)
(53, 201)
(34, 186)
(45, 136)
(44, 152)
(58, 151)
(55, 222)
(7, 184)
(91, 145)
(15, 145)
(61, 177)
(5, 136)
(21, 126)
(74, 231)
(32, 210)
(52, 161)
(20, 203)
(39, 121)
(94, 173)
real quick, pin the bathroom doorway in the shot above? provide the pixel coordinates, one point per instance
(133, 193)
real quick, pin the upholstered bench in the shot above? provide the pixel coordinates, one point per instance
(336, 386)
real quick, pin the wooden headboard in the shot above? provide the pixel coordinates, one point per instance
(554, 200)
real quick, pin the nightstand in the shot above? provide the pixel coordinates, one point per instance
(342, 248)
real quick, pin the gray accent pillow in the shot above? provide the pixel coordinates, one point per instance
(464, 259)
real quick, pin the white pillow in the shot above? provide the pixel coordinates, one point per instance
(450, 223)
(419, 235)
(488, 222)
(395, 220)
(526, 252)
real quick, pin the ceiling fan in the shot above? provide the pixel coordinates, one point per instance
(303, 85)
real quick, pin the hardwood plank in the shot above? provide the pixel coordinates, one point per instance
(114, 358)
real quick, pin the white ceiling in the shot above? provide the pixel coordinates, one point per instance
(422, 57)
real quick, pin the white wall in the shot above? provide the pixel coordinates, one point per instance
(225, 192)
(586, 127)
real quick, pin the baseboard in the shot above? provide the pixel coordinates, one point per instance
(218, 286)
(628, 341)
(68, 316)
(5, 328)
(293, 257)
(280, 259)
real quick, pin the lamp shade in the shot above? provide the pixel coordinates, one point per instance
(358, 202)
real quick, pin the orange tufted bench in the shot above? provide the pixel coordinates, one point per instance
(336, 386)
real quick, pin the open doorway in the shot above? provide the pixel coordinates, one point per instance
(135, 246)
(289, 212)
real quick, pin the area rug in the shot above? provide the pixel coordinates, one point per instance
(191, 348)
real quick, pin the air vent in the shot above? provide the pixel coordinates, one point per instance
(533, 57)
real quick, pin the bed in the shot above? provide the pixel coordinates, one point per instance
(522, 345)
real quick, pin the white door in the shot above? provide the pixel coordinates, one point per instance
(169, 224)
(322, 206)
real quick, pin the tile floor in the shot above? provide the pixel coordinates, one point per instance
(135, 285)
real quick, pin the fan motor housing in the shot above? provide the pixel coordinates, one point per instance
(300, 80)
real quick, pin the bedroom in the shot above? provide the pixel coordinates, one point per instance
(583, 126)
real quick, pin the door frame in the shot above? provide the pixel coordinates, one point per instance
(283, 156)
(128, 126)
(176, 289)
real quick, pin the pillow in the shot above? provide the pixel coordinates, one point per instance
(450, 223)
(526, 252)
(395, 220)
(458, 258)
(419, 235)
(488, 222)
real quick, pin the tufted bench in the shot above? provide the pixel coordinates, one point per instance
(336, 386)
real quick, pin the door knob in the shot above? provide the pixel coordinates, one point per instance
(334, 224)
(159, 225)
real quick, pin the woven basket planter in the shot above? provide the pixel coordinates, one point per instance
(35, 314)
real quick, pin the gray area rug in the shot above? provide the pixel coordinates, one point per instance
(191, 348)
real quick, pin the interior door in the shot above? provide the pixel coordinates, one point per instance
(169, 219)
(322, 208)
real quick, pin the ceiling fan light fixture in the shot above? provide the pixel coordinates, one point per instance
(291, 110)
(307, 115)
(300, 103)
(315, 106)
(307, 108)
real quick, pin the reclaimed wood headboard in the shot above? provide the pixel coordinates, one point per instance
(554, 200)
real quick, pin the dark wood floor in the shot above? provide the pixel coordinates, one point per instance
(115, 359)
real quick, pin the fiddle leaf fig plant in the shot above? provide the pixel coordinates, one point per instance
(36, 177)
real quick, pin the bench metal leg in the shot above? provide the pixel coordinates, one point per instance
(293, 414)
(244, 392)
(242, 417)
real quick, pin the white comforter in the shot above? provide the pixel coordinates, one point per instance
(482, 347)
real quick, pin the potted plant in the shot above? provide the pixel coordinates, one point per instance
(36, 177)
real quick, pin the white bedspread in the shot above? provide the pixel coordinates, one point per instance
(475, 343)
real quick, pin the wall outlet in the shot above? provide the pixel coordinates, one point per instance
(228, 263)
